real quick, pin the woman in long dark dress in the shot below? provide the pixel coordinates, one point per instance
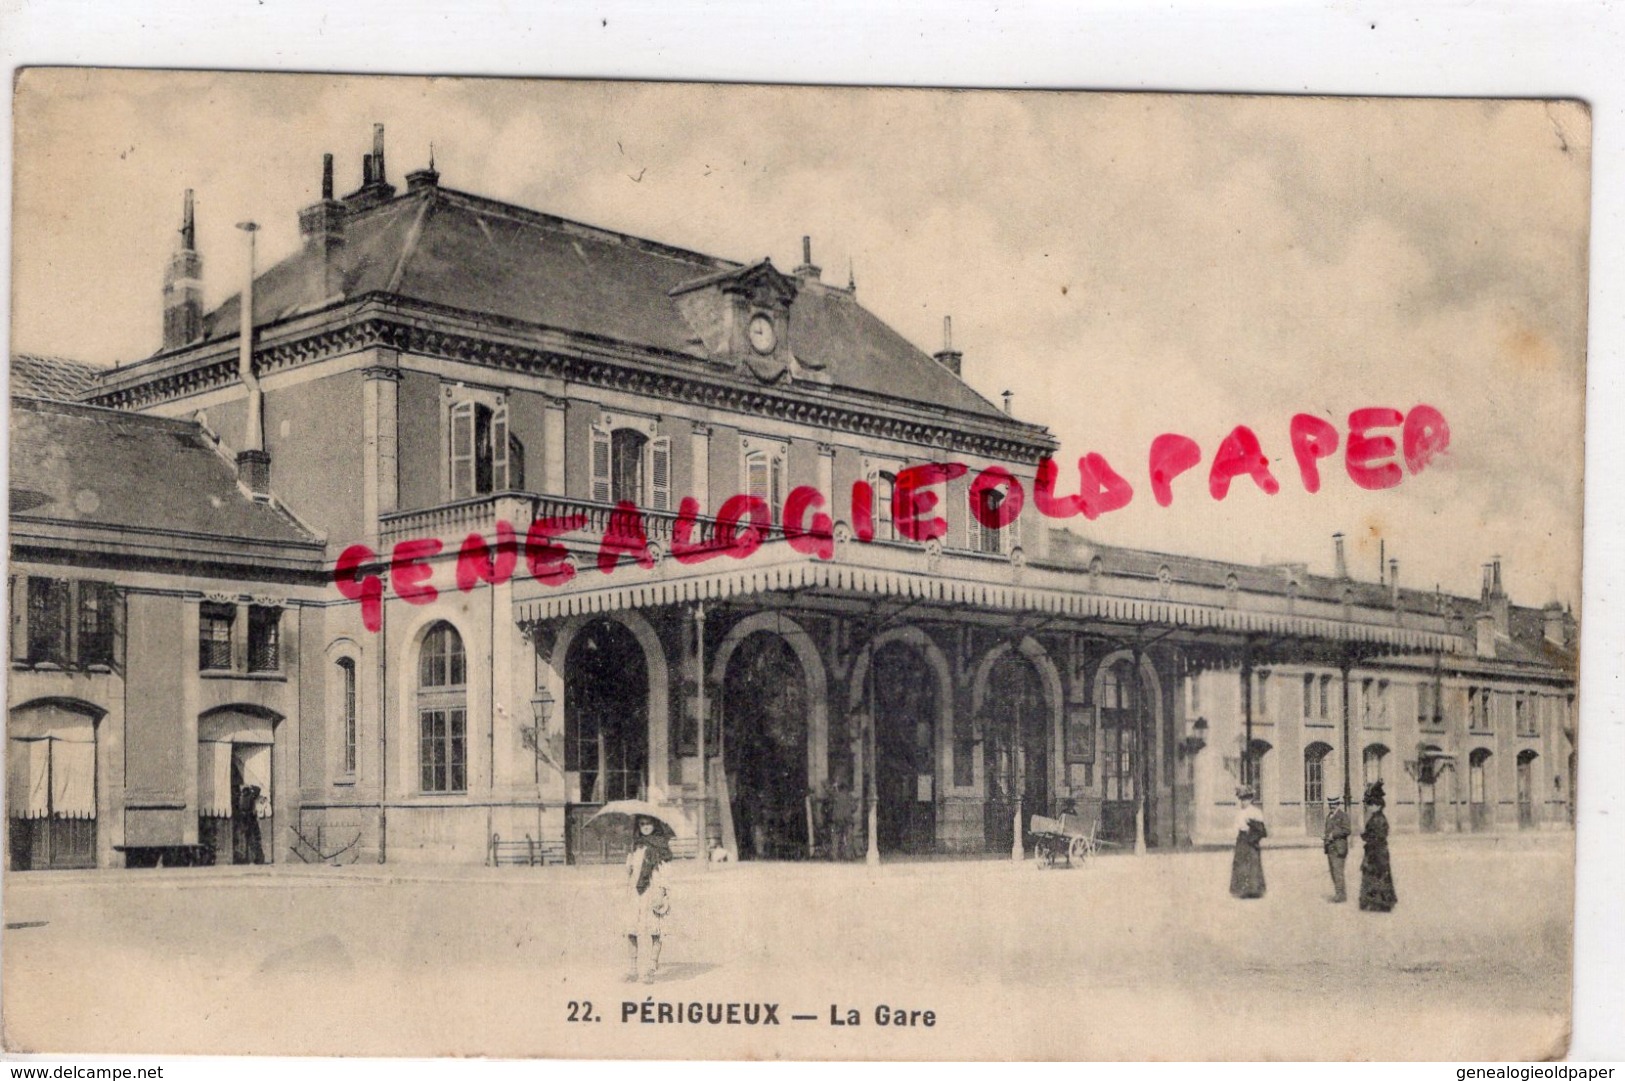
(1247, 868)
(1376, 873)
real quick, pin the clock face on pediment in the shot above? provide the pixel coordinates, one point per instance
(763, 336)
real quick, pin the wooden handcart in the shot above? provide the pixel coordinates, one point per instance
(1065, 838)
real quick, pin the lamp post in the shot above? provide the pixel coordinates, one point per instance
(541, 709)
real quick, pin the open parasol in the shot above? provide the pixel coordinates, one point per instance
(631, 808)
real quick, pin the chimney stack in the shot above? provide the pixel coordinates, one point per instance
(949, 357)
(321, 226)
(1484, 634)
(1340, 558)
(1008, 396)
(1557, 625)
(807, 272)
(1495, 598)
(1393, 580)
(183, 286)
(375, 188)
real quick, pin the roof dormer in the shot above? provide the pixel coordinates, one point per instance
(742, 315)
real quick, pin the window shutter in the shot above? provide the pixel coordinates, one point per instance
(660, 473)
(756, 482)
(1014, 530)
(499, 449)
(19, 623)
(776, 488)
(462, 450)
(600, 465)
(973, 529)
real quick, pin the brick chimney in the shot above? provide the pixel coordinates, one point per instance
(948, 356)
(1557, 624)
(375, 186)
(183, 286)
(1494, 597)
(321, 225)
(807, 272)
(1484, 634)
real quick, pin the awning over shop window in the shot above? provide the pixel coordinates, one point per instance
(214, 779)
(28, 772)
(73, 779)
(256, 763)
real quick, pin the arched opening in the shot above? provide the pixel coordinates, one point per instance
(764, 747)
(1314, 787)
(236, 812)
(1430, 760)
(1479, 808)
(1252, 769)
(442, 706)
(1526, 789)
(606, 735)
(51, 785)
(905, 706)
(1015, 748)
(1373, 765)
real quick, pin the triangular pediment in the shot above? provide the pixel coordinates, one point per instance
(760, 283)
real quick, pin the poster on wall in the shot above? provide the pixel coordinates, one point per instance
(465, 442)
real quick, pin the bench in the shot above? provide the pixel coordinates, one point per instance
(524, 853)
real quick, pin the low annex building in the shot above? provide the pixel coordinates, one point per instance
(432, 366)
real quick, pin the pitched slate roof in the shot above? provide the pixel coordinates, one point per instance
(80, 464)
(57, 378)
(1526, 642)
(460, 251)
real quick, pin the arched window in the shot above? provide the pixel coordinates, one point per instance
(884, 485)
(1371, 763)
(345, 706)
(1252, 767)
(626, 447)
(1314, 786)
(1314, 773)
(764, 478)
(442, 711)
(630, 463)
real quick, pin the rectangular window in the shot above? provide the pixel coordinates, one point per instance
(96, 601)
(1383, 717)
(348, 711)
(1308, 696)
(1325, 697)
(264, 625)
(1261, 700)
(214, 637)
(1524, 716)
(48, 621)
(1427, 698)
(442, 748)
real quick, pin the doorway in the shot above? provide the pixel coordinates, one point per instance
(606, 726)
(905, 708)
(1016, 749)
(764, 747)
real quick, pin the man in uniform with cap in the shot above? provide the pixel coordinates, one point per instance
(1336, 844)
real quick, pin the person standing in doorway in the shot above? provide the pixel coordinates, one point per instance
(1336, 844)
(1376, 873)
(647, 898)
(1247, 867)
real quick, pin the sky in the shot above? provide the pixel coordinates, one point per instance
(1126, 265)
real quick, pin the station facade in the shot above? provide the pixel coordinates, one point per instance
(434, 373)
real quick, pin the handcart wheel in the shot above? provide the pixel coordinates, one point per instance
(1078, 850)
